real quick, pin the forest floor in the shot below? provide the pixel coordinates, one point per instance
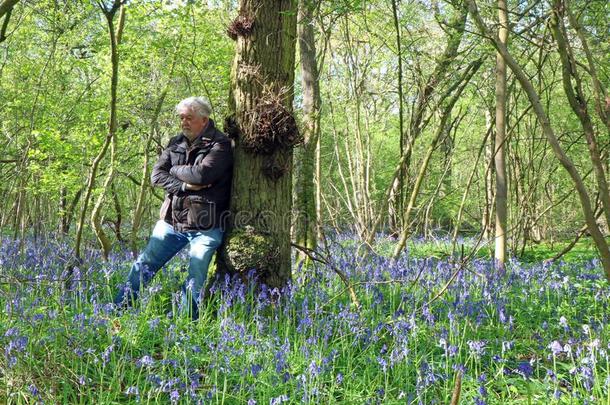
(537, 332)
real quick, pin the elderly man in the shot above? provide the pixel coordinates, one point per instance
(195, 172)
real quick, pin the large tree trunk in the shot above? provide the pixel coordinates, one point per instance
(265, 132)
(304, 196)
(500, 154)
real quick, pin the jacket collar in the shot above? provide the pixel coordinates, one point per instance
(205, 136)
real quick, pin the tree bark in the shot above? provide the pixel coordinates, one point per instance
(96, 219)
(304, 165)
(261, 200)
(500, 154)
(6, 6)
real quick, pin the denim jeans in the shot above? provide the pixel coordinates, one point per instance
(164, 244)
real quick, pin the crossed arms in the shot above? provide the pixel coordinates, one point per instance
(176, 179)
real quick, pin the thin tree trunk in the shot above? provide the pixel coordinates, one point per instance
(6, 6)
(102, 153)
(304, 202)
(405, 233)
(96, 219)
(145, 183)
(490, 197)
(68, 212)
(458, 221)
(418, 123)
(500, 154)
(565, 161)
(4, 27)
(578, 103)
(398, 193)
(318, 188)
(601, 104)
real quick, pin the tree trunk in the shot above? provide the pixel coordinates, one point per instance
(265, 132)
(304, 196)
(458, 220)
(565, 161)
(418, 123)
(486, 219)
(96, 219)
(578, 103)
(145, 183)
(107, 142)
(6, 6)
(500, 155)
(446, 113)
(396, 204)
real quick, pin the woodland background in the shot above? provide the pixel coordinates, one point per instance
(387, 71)
(398, 253)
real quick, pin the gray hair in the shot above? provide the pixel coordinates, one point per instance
(199, 105)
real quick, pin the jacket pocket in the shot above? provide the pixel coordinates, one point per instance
(177, 157)
(201, 213)
(179, 209)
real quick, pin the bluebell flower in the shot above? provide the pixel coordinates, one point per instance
(556, 348)
(563, 322)
(153, 323)
(33, 390)
(477, 347)
(106, 354)
(279, 400)
(525, 369)
(255, 369)
(145, 361)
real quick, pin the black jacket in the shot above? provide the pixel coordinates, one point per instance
(207, 161)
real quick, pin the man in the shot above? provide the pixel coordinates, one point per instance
(195, 172)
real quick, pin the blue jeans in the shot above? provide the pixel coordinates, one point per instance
(164, 244)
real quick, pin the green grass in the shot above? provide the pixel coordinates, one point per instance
(312, 345)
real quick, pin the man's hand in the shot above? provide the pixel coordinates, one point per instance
(194, 187)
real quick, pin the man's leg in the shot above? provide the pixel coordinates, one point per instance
(163, 244)
(203, 246)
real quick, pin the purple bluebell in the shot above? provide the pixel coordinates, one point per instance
(556, 348)
(477, 347)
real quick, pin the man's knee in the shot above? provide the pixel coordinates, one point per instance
(201, 251)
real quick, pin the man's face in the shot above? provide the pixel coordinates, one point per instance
(191, 123)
